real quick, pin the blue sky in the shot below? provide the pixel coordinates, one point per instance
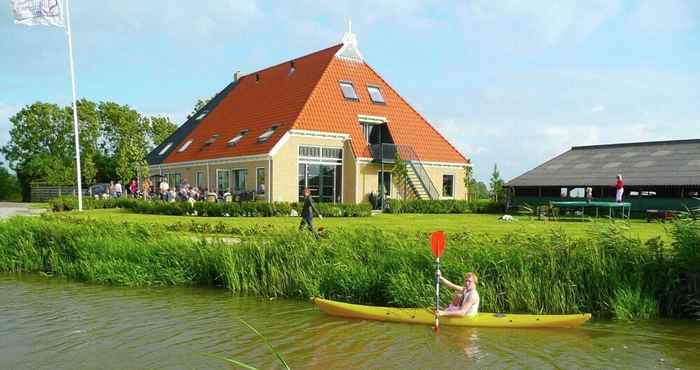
(507, 82)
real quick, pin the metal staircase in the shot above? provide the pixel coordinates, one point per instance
(417, 179)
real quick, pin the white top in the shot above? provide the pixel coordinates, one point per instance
(164, 187)
(117, 188)
(474, 309)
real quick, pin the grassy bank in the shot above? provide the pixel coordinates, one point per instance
(603, 272)
(488, 225)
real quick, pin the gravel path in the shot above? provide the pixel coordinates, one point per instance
(16, 209)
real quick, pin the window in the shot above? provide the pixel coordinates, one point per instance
(199, 180)
(185, 146)
(324, 182)
(310, 151)
(563, 192)
(387, 182)
(348, 91)
(577, 193)
(265, 136)
(239, 180)
(174, 180)
(202, 115)
(332, 153)
(448, 185)
(165, 149)
(237, 138)
(208, 143)
(222, 181)
(260, 180)
(375, 94)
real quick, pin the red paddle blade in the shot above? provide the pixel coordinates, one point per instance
(437, 243)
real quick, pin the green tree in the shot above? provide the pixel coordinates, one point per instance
(469, 183)
(125, 138)
(197, 106)
(40, 145)
(496, 185)
(159, 129)
(482, 191)
(400, 172)
(9, 185)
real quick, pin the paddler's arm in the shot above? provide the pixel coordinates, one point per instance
(448, 283)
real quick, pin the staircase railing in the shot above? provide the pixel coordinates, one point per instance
(387, 152)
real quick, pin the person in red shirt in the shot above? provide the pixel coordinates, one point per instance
(620, 189)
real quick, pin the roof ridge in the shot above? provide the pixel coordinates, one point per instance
(468, 161)
(641, 143)
(293, 59)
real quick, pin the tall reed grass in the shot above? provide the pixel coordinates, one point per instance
(605, 272)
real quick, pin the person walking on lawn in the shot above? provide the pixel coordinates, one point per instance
(307, 213)
(619, 189)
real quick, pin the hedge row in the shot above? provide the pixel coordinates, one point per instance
(444, 206)
(234, 209)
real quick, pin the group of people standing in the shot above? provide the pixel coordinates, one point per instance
(117, 190)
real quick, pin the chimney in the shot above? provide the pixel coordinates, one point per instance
(236, 76)
(292, 68)
(257, 77)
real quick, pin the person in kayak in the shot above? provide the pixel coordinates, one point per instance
(466, 302)
(307, 213)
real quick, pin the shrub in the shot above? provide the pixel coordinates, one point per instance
(234, 209)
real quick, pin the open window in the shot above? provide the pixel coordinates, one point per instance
(237, 138)
(265, 136)
(375, 95)
(185, 146)
(348, 91)
(165, 148)
(210, 141)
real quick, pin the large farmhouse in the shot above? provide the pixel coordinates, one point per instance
(657, 175)
(326, 121)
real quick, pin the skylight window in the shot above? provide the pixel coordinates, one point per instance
(165, 148)
(202, 115)
(237, 138)
(375, 94)
(185, 146)
(207, 143)
(348, 91)
(265, 136)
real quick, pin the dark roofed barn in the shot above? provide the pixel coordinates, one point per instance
(657, 175)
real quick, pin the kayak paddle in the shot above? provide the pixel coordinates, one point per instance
(437, 244)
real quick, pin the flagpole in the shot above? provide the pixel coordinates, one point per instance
(75, 111)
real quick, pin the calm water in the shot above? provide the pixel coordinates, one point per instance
(53, 324)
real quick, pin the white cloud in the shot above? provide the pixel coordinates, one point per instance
(515, 25)
(598, 108)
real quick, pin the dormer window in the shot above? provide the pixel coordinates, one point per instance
(211, 140)
(185, 146)
(348, 90)
(202, 115)
(375, 94)
(165, 149)
(265, 136)
(237, 138)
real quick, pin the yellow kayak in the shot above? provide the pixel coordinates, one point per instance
(426, 316)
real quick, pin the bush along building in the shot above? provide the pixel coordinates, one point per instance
(659, 175)
(326, 121)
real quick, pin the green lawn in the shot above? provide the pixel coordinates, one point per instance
(409, 223)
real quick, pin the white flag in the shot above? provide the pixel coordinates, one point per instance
(38, 12)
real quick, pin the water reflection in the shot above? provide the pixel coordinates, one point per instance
(49, 323)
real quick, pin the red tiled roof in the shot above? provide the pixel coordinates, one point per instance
(328, 110)
(277, 98)
(310, 99)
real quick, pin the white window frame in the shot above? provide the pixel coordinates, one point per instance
(217, 179)
(235, 139)
(379, 91)
(352, 85)
(196, 179)
(185, 146)
(233, 179)
(165, 148)
(265, 136)
(257, 182)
